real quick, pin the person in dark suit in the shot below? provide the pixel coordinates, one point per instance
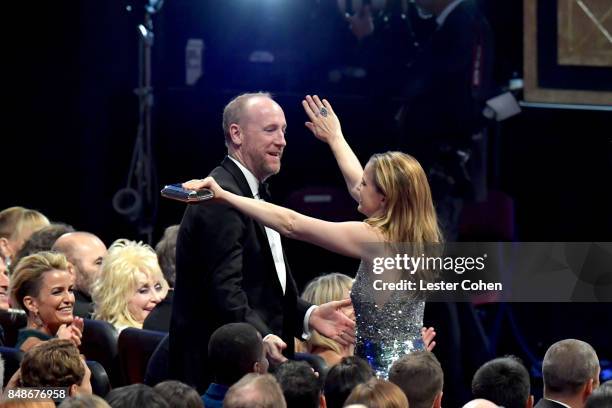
(230, 268)
(571, 372)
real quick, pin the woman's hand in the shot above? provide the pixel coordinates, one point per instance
(72, 331)
(428, 333)
(208, 182)
(324, 123)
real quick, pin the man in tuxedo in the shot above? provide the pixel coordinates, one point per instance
(230, 268)
(571, 372)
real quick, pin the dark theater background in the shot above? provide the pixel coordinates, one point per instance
(71, 117)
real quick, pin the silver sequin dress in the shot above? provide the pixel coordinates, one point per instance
(388, 330)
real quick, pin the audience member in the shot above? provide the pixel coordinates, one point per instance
(42, 286)
(504, 381)
(179, 395)
(4, 286)
(130, 285)
(85, 252)
(84, 401)
(378, 393)
(343, 377)
(301, 386)
(480, 403)
(420, 376)
(56, 363)
(136, 395)
(326, 288)
(234, 349)
(601, 397)
(42, 240)
(159, 318)
(255, 391)
(571, 372)
(16, 226)
(21, 403)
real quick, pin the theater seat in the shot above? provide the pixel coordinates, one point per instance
(12, 360)
(136, 346)
(99, 343)
(11, 321)
(158, 369)
(100, 383)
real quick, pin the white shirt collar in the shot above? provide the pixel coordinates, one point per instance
(558, 402)
(442, 16)
(250, 177)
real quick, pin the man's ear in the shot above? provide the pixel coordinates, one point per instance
(5, 250)
(529, 403)
(235, 134)
(588, 389)
(73, 390)
(438, 400)
(31, 304)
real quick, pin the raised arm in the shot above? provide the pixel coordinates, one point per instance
(325, 125)
(345, 238)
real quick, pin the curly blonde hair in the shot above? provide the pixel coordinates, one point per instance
(118, 280)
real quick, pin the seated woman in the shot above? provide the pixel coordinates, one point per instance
(326, 288)
(42, 286)
(16, 226)
(130, 285)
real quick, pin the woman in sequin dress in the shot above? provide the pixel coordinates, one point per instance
(393, 193)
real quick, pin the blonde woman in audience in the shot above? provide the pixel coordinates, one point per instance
(130, 285)
(42, 286)
(16, 226)
(326, 288)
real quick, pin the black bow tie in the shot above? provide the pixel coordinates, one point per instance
(264, 191)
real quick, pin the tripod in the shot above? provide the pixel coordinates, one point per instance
(137, 201)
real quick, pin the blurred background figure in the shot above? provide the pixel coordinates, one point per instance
(85, 251)
(16, 226)
(43, 239)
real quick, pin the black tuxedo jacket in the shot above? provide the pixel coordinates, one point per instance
(225, 273)
(544, 403)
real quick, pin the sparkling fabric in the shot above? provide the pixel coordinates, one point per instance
(388, 323)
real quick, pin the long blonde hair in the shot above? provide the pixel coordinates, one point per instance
(321, 290)
(410, 215)
(118, 280)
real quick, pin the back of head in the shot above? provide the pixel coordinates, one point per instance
(179, 395)
(323, 289)
(568, 365)
(504, 381)
(410, 215)
(600, 398)
(53, 363)
(166, 253)
(378, 393)
(420, 376)
(255, 391)
(84, 401)
(135, 395)
(125, 261)
(301, 387)
(343, 377)
(480, 403)
(25, 403)
(43, 239)
(233, 350)
(28, 275)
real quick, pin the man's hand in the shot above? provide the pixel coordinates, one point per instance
(428, 333)
(274, 346)
(329, 320)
